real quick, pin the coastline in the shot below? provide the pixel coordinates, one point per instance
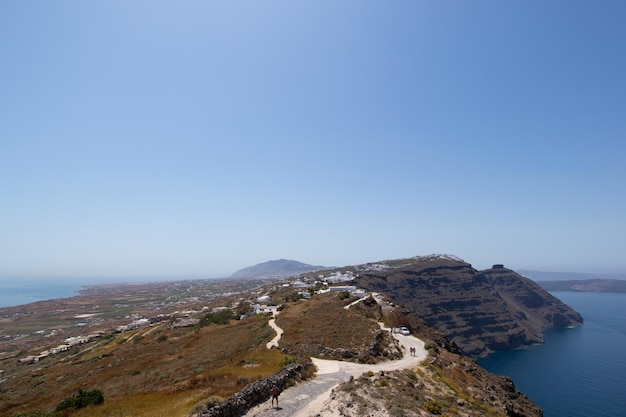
(17, 292)
(550, 373)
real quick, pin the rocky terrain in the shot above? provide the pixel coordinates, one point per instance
(446, 384)
(480, 311)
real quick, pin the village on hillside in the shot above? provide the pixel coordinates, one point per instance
(258, 301)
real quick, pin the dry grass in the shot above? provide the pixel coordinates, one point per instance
(133, 369)
(324, 321)
(145, 405)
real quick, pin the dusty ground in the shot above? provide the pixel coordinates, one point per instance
(308, 398)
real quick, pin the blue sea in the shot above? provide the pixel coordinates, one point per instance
(579, 372)
(14, 292)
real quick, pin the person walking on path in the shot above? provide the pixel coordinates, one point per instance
(275, 393)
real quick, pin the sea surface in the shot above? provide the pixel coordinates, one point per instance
(578, 372)
(14, 292)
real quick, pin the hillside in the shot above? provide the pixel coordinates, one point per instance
(481, 311)
(170, 368)
(275, 269)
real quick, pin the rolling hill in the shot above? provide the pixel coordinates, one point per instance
(279, 268)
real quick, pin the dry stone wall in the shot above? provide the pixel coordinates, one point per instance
(255, 393)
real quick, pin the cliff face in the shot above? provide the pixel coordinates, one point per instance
(481, 311)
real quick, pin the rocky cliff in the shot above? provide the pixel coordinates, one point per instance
(481, 311)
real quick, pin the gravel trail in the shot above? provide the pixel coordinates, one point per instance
(306, 398)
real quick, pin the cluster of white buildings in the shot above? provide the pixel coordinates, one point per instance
(375, 267)
(134, 325)
(70, 342)
(338, 277)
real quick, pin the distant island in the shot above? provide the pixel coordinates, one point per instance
(585, 285)
(568, 276)
(280, 268)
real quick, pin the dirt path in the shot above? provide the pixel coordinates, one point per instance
(307, 398)
(279, 333)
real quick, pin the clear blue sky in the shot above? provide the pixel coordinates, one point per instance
(152, 138)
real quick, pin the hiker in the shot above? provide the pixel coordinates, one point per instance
(275, 393)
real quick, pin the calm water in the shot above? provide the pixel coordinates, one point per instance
(577, 372)
(17, 292)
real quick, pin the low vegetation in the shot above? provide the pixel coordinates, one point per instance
(163, 369)
(180, 367)
(323, 322)
(81, 400)
(407, 393)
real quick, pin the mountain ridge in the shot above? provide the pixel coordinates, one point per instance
(279, 268)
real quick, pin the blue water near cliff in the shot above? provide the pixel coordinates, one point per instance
(577, 372)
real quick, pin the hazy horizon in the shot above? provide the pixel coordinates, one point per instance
(122, 279)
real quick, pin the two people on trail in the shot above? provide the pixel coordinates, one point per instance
(275, 394)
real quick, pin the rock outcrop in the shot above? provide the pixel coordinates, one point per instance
(480, 311)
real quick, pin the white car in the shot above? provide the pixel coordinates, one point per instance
(405, 331)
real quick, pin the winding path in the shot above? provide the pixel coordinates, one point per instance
(307, 398)
(279, 332)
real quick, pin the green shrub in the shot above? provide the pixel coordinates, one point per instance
(433, 406)
(221, 317)
(81, 399)
(344, 295)
(287, 360)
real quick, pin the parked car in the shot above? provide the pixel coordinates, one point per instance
(405, 331)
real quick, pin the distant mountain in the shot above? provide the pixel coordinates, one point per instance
(567, 276)
(585, 285)
(276, 269)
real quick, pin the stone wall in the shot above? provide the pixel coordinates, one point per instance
(255, 393)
